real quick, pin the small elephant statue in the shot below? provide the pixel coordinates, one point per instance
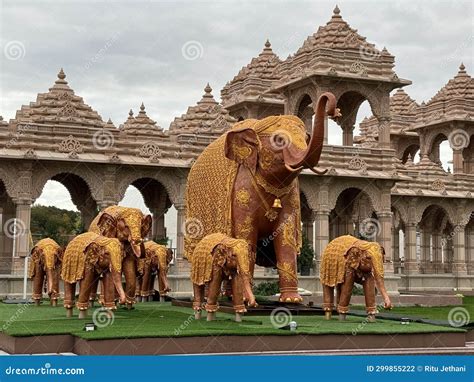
(46, 259)
(348, 260)
(87, 258)
(218, 257)
(156, 262)
(130, 226)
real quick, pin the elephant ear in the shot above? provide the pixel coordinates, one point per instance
(220, 256)
(241, 146)
(35, 257)
(353, 257)
(146, 225)
(107, 225)
(92, 253)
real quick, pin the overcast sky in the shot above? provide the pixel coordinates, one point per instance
(117, 54)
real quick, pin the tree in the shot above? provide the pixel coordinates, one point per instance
(305, 259)
(53, 222)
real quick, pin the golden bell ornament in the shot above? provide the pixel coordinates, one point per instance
(277, 203)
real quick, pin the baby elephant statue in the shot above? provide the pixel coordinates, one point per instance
(86, 258)
(218, 257)
(46, 258)
(156, 262)
(348, 260)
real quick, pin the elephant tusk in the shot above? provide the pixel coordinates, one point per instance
(318, 171)
(291, 169)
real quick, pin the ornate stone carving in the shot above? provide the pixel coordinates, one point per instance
(357, 163)
(70, 145)
(150, 149)
(30, 154)
(438, 185)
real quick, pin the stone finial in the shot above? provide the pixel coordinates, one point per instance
(268, 48)
(61, 77)
(462, 68)
(267, 44)
(142, 109)
(336, 14)
(336, 10)
(130, 114)
(207, 98)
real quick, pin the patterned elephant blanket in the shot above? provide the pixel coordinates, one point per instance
(333, 262)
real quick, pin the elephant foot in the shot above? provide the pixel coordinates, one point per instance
(162, 298)
(238, 317)
(327, 315)
(197, 315)
(37, 302)
(82, 314)
(68, 312)
(291, 298)
(371, 318)
(342, 317)
(211, 316)
(54, 303)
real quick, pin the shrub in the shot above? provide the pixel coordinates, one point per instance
(267, 288)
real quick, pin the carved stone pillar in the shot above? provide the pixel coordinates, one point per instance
(425, 251)
(411, 265)
(385, 238)
(321, 223)
(437, 265)
(158, 226)
(396, 249)
(181, 218)
(458, 162)
(21, 228)
(6, 238)
(470, 249)
(384, 131)
(459, 251)
(347, 134)
(308, 231)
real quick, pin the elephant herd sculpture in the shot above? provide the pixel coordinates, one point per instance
(114, 245)
(242, 210)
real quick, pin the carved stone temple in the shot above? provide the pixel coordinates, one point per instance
(387, 181)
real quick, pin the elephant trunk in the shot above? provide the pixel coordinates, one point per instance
(117, 279)
(163, 281)
(309, 158)
(248, 293)
(379, 282)
(50, 277)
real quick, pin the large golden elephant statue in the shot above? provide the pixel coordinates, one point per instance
(216, 258)
(87, 258)
(346, 260)
(130, 226)
(45, 263)
(155, 263)
(245, 185)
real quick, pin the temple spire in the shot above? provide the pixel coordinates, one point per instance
(207, 98)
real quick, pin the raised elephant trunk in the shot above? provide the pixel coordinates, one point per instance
(297, 160)
(248, 293)
(50, 277)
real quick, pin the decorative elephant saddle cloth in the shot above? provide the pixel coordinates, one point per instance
(74, 256)
(49, 247)
(333, 261)
(153, 249)
(203, 257)
(132, 216)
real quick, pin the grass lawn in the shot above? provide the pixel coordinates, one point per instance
(164, 320)
(434, 313)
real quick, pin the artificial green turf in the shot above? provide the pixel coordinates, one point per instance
(431, 313)
(164, 320)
